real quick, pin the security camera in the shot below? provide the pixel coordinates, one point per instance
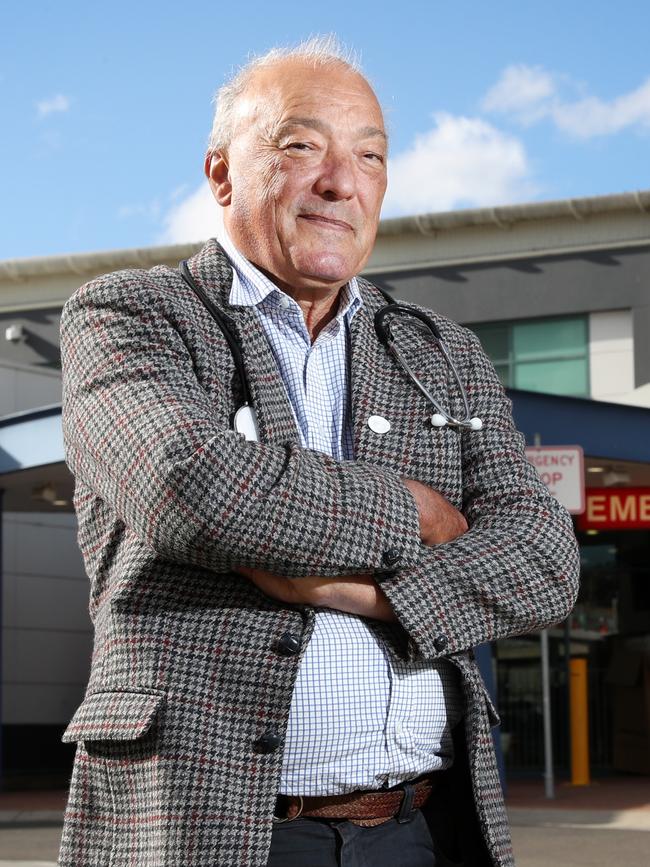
(14, 333)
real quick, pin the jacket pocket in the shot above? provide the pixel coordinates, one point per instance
(114, 715)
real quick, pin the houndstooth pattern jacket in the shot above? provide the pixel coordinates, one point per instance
(179, 737)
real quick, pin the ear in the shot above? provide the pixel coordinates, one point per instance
(218, 174)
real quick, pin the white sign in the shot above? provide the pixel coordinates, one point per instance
(562, 469)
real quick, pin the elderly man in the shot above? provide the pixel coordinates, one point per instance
(290, 562)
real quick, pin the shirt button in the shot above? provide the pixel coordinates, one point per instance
(285, 301)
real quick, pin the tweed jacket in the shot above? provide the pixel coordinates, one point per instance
(180, 733)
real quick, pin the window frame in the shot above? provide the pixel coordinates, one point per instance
(509, 364)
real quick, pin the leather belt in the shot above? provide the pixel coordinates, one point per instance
(360, 808)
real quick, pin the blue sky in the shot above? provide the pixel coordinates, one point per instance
(106, 107)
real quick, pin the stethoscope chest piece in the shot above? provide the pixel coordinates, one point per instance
(378, 424)
(245, 423)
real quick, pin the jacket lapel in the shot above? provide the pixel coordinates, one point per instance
(368, 378)
(380, 387)
(212, 270)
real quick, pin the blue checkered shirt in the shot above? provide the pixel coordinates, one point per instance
(360, 717)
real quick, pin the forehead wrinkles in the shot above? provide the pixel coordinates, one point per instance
(287, 88)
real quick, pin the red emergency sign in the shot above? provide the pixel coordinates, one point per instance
(616, 509)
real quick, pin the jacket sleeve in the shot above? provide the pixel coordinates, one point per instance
(144, 436)
(516, 569)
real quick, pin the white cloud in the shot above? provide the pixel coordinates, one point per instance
(193, 218)
(591, 117)
(177, 192)
(55, 105)
(461, 162)
(525, 91)
(529, 93)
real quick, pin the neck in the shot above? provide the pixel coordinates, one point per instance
(318, 312)
(319, 306)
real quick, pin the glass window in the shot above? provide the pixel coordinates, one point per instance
(547, 355)
(496, 342)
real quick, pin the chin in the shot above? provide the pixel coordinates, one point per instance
(327, 268)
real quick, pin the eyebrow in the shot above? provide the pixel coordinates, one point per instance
(320, 126)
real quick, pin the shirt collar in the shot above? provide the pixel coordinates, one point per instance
(250, 287)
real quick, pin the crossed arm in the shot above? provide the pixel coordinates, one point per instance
(360, 594)
(147, 439)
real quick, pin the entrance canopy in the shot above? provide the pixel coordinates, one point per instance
(607, 430)
(33, 475)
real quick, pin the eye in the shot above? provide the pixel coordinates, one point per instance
(371, 156)
(298, 146)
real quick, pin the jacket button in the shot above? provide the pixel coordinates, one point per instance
(440, 642)
(391, 557)
(288, 644)
(269, 741)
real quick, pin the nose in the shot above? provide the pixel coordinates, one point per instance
(336, 179)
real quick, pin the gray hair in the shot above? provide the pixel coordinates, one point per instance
(319, 50)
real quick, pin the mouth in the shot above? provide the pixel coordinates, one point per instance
(327, 222)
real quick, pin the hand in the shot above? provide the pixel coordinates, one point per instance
(355, 594)
(439, 520)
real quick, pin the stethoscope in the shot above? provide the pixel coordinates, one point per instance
(245, 418)
(441, 417)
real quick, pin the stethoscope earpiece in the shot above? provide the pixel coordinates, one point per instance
(438, 420)
(476, 423)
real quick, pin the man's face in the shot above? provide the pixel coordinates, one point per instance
(304, 177)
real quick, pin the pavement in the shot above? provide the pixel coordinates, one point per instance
(32, 808)
(30, 822)
(610, 803)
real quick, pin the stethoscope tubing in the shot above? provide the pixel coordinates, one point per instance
(450, 419)
(227, 329)
(247, 411)
(442, 416)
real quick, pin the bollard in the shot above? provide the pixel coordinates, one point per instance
(579, 723)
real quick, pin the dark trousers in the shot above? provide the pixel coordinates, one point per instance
(328, 843)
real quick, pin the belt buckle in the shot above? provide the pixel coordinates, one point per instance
(278, 820)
